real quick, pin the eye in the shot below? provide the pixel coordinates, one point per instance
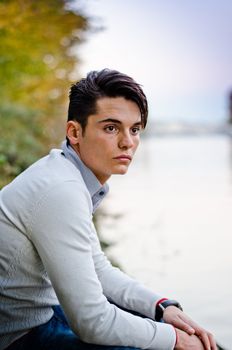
(135, 130)
(111, 129)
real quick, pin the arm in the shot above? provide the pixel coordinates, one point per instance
(119, 287)
(61, 231)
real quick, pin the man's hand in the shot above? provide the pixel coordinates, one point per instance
(187, 342)
(178, 319)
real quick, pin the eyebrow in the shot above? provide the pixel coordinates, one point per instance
(117, 121)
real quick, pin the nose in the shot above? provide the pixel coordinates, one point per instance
(125, 141)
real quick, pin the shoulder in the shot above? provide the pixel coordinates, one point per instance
(53, 167)
(51, 182)
(46, 173)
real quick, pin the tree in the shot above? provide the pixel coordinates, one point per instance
(38, 62)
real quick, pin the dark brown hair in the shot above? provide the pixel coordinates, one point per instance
(105, 83)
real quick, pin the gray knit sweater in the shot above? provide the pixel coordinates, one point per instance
(50, 254)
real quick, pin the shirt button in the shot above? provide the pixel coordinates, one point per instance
(101, 193)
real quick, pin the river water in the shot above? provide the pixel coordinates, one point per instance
(170, 221)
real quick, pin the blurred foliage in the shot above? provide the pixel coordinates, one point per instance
(38, 61)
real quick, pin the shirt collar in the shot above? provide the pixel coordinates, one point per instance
(96, 189)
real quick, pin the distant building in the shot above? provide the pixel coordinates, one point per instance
(230, 108)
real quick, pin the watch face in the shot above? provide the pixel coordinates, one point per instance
(167, 303)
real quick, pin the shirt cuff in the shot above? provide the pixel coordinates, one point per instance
(165, 337)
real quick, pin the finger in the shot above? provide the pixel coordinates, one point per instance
(212, 342)
(187, 325)
(189, 329)
(181, 324)
(205, 340)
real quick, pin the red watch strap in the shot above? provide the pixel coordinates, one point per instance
(160, 301)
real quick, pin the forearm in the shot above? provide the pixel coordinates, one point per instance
(128, 293)
(121, 289)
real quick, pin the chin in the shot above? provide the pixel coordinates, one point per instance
(121, 171)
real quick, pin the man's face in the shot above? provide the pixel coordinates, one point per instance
(111, 137)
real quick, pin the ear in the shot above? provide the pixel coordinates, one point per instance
(73, 132)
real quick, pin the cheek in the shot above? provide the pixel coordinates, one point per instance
(100, 151)
(106, 145)
(136, 143)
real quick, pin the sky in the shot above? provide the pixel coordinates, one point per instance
(180, 51)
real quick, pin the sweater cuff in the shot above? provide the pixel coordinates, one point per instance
(165, 337)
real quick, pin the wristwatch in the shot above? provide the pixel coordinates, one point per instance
(160, 307)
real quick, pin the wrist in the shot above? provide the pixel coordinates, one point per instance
(162, 304)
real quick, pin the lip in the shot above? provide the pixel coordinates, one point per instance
(123, 157)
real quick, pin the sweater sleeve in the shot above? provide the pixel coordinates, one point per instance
(62, 232)
(120, 288)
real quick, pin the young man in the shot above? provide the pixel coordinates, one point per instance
(49, 250)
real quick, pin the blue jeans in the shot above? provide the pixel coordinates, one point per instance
(56, 335)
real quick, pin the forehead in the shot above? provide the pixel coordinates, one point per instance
(119, 108)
